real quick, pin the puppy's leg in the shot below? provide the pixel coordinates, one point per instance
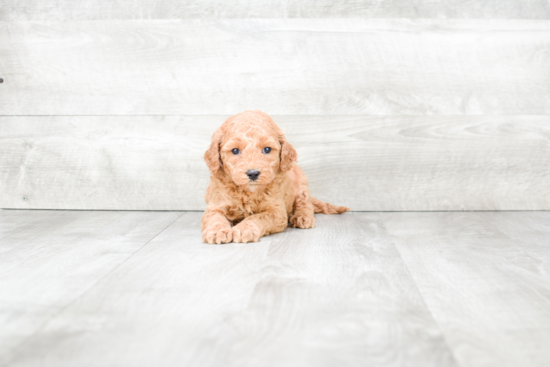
(258, 225)
(302, 214)
(215, 227)
(302, 211)
(326, 208)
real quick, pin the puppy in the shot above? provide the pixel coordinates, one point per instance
(255, 187)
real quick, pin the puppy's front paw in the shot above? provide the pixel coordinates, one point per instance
(246, 231)
(217, 235)
(302, 221)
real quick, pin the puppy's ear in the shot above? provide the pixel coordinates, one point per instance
(212, 155)
(288, 153)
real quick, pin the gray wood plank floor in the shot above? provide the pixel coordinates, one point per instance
(50, 259)
(379, 289)
(486, 279)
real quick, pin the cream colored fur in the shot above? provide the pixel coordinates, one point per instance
(241, 210)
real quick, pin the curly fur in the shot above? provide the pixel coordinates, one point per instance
(241, 210)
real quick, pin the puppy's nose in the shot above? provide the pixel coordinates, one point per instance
(253, 174)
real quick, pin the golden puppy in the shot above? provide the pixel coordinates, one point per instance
(255, 187)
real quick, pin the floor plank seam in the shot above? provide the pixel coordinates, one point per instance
(45, 323)
(443, 336)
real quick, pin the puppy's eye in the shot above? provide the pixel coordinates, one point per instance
(267, 150)
(235, 151)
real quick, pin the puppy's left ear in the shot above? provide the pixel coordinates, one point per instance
(288, 153)
(212, 155)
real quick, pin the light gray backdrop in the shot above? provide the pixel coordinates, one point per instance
(392, 105)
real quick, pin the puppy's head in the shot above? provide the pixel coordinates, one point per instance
(250, 149)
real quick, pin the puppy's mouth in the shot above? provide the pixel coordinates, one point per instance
(254, 186)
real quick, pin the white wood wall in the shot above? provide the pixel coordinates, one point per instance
(392, 105)
(171, 9)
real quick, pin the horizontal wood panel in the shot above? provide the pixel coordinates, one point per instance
(364, 162)
(286, 67)
(155, 9)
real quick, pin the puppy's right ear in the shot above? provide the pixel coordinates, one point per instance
(288, 153)
(212, 155)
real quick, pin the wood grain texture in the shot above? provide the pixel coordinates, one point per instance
(365, 162)
(384, 289)
(50, 259)
(485, 278)
(155, 9)
(174, 303)
(282, 66)
(338, 294)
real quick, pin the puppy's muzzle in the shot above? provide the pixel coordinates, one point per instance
(253, 174)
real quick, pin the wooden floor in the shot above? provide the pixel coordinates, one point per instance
(108, 288)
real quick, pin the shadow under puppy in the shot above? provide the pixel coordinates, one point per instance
(255, 187)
